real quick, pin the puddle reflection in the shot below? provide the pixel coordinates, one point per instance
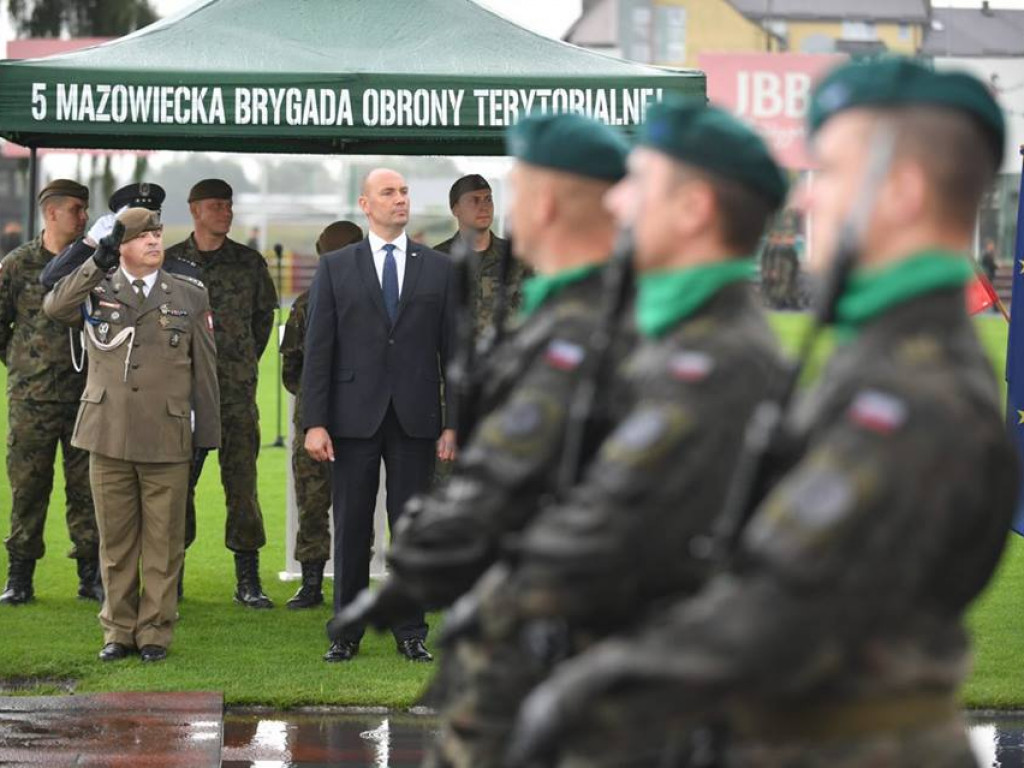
(998, 740)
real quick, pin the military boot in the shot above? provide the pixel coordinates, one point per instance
(90, 585)
(311, 593)
(247, 571)
(19, 582)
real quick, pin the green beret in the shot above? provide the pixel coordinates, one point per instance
(63, 188)
(714, 141)
(895, 81)
(210, 189)
(138, 220)
(570, 143)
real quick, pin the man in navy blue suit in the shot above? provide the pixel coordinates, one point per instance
(381, 327)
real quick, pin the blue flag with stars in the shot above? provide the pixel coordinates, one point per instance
(1015, 354)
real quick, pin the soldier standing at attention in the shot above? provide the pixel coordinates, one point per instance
(43, 388)
(243, 298)
(312, 478)
(472, 204)
(835, 635)
(152, 363)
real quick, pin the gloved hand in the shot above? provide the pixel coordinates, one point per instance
(557, 704)
(100, 228)
(108, 253)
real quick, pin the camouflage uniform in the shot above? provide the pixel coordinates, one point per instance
(837, 636)
(487, 270)
(312, 478)
(243, 298)
(622, 541)
(44, 389)
(511, 460)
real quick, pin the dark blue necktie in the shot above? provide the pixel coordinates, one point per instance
(389, 282)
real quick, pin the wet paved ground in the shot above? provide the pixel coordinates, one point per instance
(174, 730)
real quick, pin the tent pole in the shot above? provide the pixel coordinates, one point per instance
(33, 191)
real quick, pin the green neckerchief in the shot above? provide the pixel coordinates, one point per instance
(665, 298)
(538, 289)
(871, 292)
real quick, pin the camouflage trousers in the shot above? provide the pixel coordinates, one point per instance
(239, 447)
(313, 499)
(34, 430)
(943, 745)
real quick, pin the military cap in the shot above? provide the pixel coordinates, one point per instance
(894, 81)
(337, 235)
(141, 195)
(570, 143)
(708, 138)
(63, 188)
(474, 182)
(210, 189)
(138, 220)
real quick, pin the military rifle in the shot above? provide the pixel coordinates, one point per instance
(768, 443)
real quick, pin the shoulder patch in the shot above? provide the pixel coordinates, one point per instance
(877, 411)
(208, 318)
(691, 366)
(564, 355)
(189, 279)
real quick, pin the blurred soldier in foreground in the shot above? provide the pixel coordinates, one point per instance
(700, 191)
(564, 166)
(43, 388)
(834, 635)
(312, 478)
(243, 298)
(152, 363)
(472, 204)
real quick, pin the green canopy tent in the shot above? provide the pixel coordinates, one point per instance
(428, 77)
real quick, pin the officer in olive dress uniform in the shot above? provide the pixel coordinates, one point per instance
(565, 165)
(152, 374)
(312, 478)
(835, 636)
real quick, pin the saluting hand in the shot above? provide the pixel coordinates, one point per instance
(318, 444)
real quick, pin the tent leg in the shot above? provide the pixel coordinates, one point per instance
(33, 191)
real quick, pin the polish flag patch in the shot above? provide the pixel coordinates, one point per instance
(878, 411)
(691, 366)
(209, 321)
(564, 355)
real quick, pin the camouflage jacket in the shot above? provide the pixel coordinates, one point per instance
(487, 271)
(623, 538)
(852, 579)
(293, 349)
(448, 538)
(243, 299)
(35, 349)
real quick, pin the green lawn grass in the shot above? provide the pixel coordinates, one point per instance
(273, 657)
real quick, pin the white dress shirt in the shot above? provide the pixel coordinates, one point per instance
(377, 244)
(149, 280)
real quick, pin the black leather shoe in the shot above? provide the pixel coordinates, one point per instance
(414, 650)
(114, 652)
(342, 650)
(153, 653)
